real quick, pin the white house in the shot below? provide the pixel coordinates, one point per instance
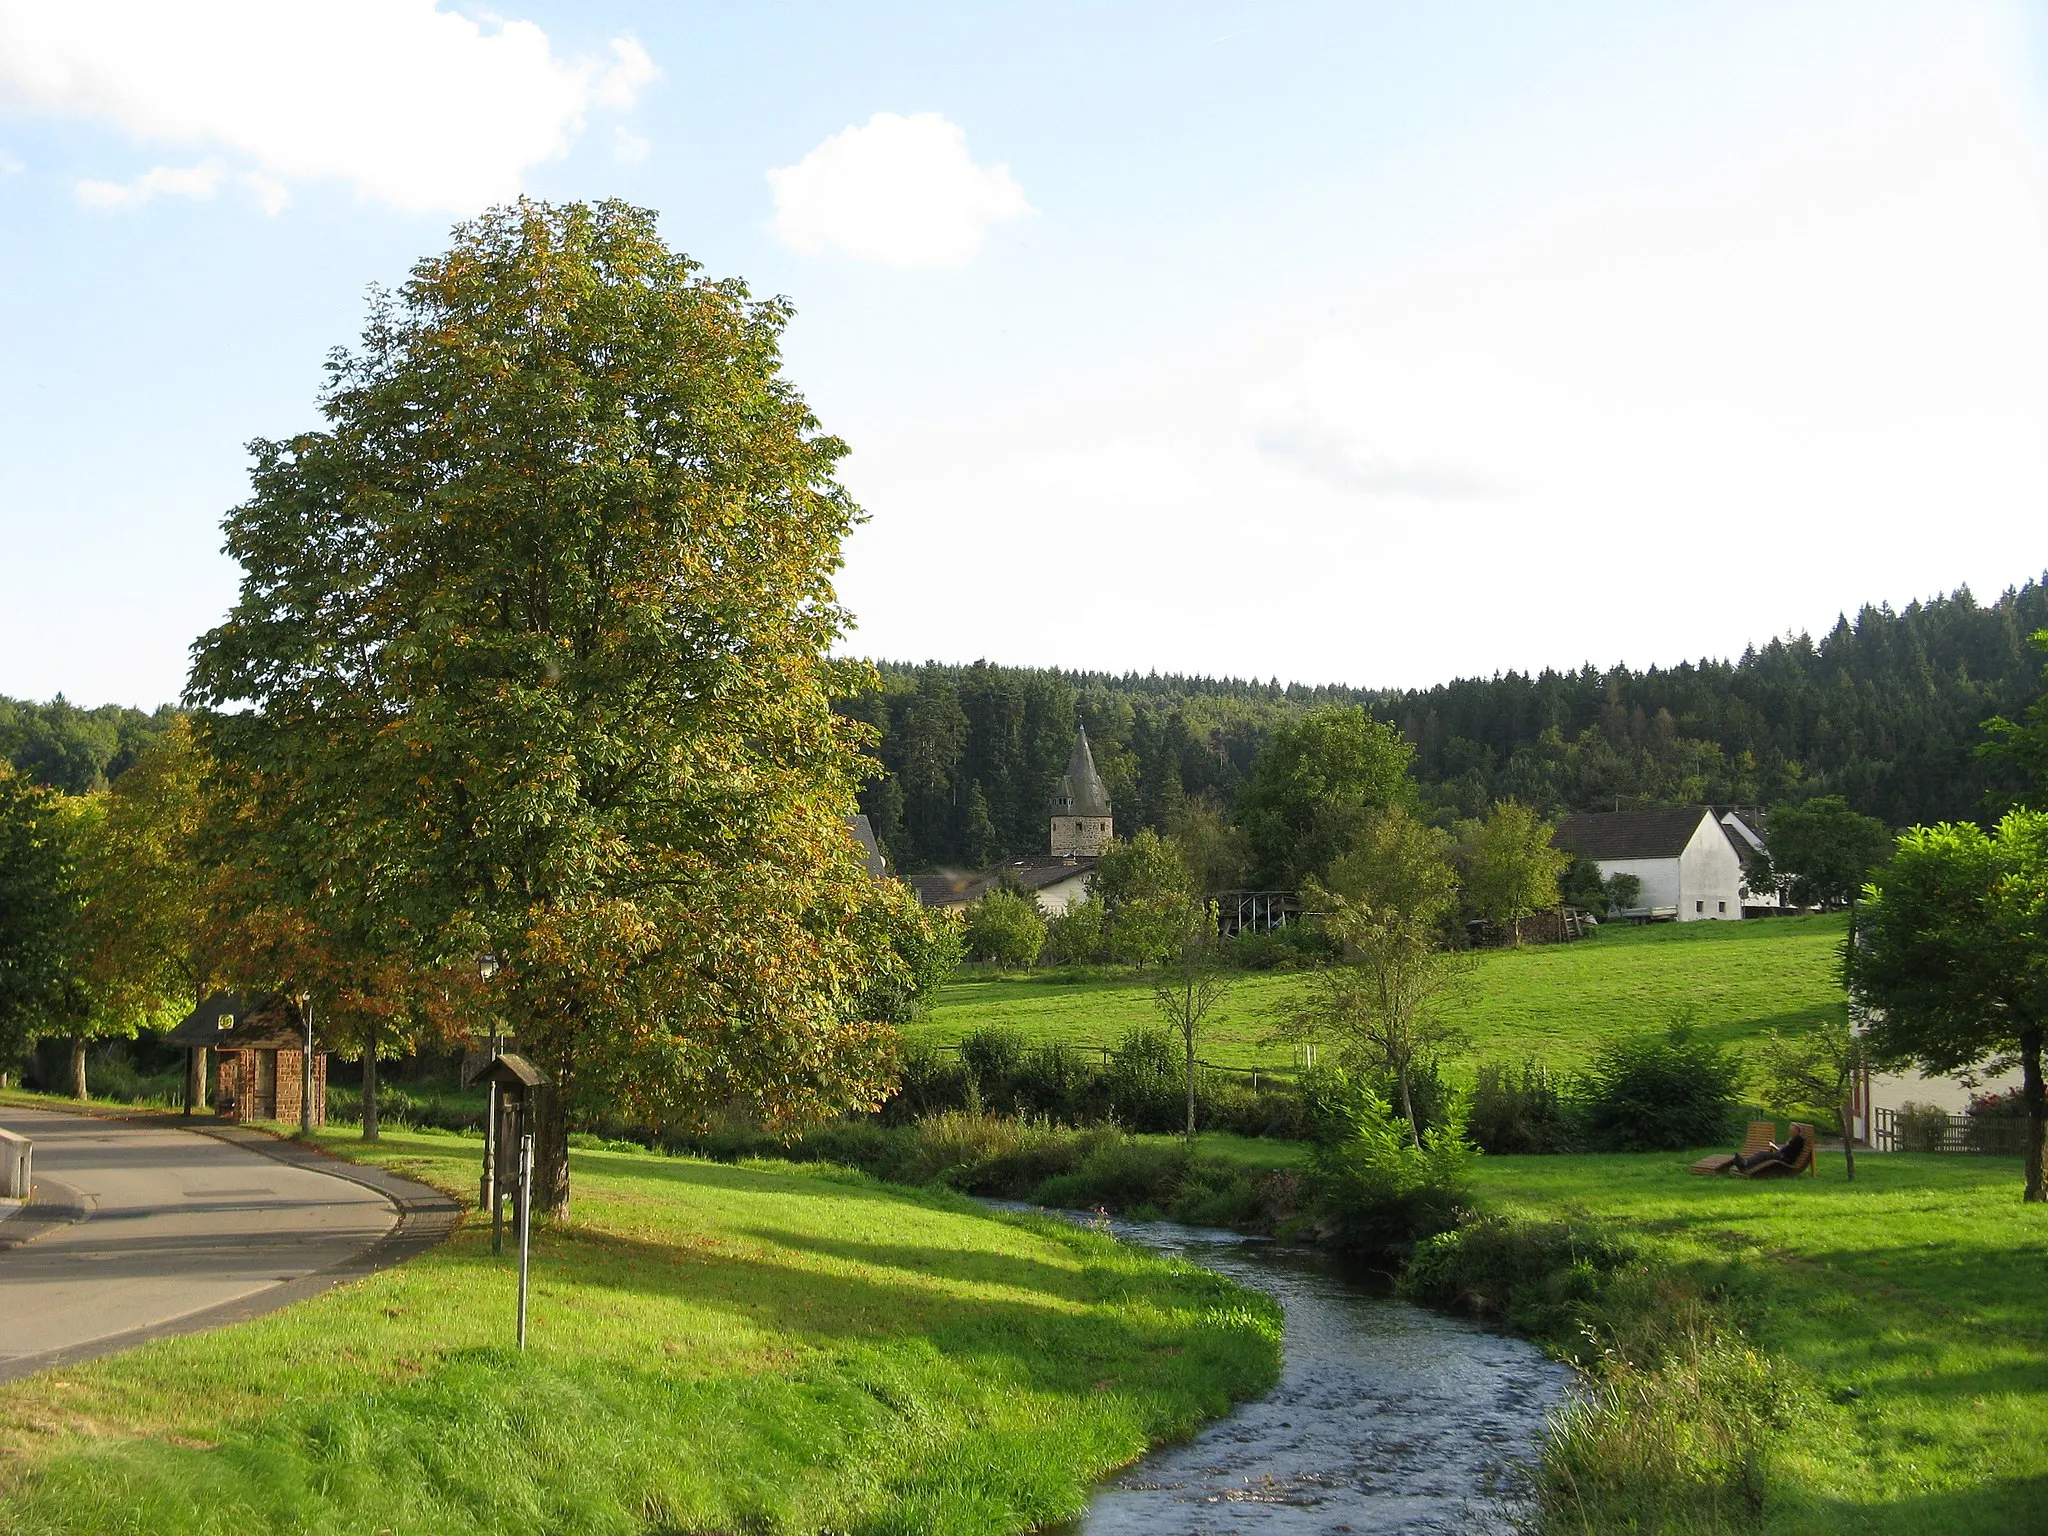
(1689, 858)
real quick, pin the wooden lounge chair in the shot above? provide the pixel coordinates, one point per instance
(1777, 1168)
(1761, 1134)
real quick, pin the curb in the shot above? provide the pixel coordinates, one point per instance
(51, 1205)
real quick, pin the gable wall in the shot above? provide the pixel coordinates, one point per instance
(1709, 876)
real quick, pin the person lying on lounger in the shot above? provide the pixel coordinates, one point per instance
(1789, 1154)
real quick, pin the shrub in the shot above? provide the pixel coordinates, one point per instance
(1263, 950)
(1376, 1193)
(1005, 928)
(1921, 1127)
(1051, 1080)
(1524, 1111)
(931, 1080)
(1542, 1275)
(1146, 1091)
(1661, 1092)
(991, 1057)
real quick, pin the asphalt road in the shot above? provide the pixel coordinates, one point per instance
(179, 1230)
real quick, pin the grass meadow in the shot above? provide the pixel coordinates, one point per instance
(1559, 1002)
(712, 1348)
(1903, 1315)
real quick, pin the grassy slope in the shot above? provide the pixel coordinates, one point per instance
(712, 1348)
(1558, 1002)
(1918, 1286)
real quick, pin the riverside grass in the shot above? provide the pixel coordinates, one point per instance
(1557, 1002)
(765, 1348)
(1900, 1345)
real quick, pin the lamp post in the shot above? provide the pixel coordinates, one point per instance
(487, 1190)
(305, 1069)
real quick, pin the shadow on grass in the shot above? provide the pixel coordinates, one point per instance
(1999, 1508)
(968, 1265)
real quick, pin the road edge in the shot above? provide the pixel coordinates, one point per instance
(426, 1218)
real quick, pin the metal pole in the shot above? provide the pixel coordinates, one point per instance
(306, 1070)
(525, 1223)
(487, 1193)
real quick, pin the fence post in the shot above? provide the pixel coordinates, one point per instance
(525, 1223)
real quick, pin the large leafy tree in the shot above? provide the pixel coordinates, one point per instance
(1950, 956)
(1822, 851)
(39, 899)
(1313, 785)
(531, 654)
(2023, 743)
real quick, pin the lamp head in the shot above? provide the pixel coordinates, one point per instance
(487, 965)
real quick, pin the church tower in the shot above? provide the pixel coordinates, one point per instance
(1080, 806)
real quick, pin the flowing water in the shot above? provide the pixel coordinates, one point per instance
(1386, 1418)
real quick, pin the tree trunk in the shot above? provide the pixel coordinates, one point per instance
(370, 1086)
(548, 1121)
(1190, 1038)
(1849, 1131)
(78, 1066)
(2037, 1111)
(1408, 1104)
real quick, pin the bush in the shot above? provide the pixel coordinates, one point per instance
(1921, 1127)
(1525, 1111)
(1661, 1092)
(931, 1080)
(1540, 1275)
(1263, 950)
(1376, 1193)
(991, 1057)
(1146, 1088)
(1005, 928)
(1075, 936)
(1051, 1080)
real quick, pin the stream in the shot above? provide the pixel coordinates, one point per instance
(1387, 1417)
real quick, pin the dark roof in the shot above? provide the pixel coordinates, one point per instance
(864, 834)
(1081, 791)
(951, 888)
(1658, 834)
(231, 1021)
(511, 1068)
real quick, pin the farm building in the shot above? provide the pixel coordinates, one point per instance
(1689, 858)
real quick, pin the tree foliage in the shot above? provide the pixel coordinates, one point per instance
(1191, 984)
(2022, 745)
(1821, 851)
(1144, 887)
(1313, 785)
(39, 899)
(1511, 866)
(1950, 956)
(1005, 928)
(531, 654)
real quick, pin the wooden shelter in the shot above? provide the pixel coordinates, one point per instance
(259, 1047)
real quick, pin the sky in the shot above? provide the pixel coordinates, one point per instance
(1363, 343)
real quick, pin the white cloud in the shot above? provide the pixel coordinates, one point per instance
(411, 105)
(1662, 417)
(628, 148)
(902, 191)
(9, 166)
(199, 181)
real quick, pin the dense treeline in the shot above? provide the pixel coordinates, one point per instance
(60, 746)
(1886, 710)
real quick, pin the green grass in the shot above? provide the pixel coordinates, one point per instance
(713, 1348)
(1905, 1314)
(1559, 1002)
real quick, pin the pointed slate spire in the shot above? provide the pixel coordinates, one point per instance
(1081, 791)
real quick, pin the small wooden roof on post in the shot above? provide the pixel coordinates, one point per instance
(512, 1071)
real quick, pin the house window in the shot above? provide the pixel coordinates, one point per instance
(1699, 906)
(1722, 905)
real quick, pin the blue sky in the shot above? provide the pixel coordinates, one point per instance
(1373, 343)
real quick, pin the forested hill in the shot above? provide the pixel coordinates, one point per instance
(1886, 710)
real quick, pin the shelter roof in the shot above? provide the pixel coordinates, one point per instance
(235, 1021)
(513, 1070)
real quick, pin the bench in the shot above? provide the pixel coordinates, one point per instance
(1762, 1133)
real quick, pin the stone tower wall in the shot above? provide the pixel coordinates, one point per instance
(1084, 836)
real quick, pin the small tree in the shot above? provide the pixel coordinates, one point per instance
(1214, 851)
(1624, 891)
(1380, 998)
(1511, 866)
(1005, 928)
(2023, 743)
(1950, 956)
(1191, 985)
(1821, 852)
(1074, 936)
(1143, 887)
(1315, 780)
(1814, 1070)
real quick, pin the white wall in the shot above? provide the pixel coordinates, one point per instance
(1659, 877)
(1057, 897)
(1709, 876)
